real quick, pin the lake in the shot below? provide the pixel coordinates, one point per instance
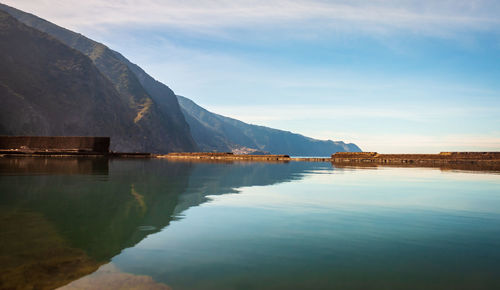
(81, 223)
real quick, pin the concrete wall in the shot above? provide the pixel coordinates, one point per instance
(91, 144)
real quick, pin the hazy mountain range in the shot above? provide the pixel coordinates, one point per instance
(215, 132)
(57, 82)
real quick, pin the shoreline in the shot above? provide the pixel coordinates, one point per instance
(354, 157)
(445, 160)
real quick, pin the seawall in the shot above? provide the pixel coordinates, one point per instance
(223, 156)
(442, 158)
(353, 157)
(51, 144)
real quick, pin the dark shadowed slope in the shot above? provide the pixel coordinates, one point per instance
(47, 88)
(214, 132)
(163, 125)
(156, 111)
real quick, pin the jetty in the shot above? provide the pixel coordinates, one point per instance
(223, 156)
(59, 146)
(354, 158)
(204, 156)
(443, 158)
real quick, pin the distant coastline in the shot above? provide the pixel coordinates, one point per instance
(68, 146)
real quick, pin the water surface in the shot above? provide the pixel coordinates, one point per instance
(83, 223)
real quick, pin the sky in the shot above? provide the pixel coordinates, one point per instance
(392, 76)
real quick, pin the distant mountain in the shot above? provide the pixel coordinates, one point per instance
(213, 132)
(162, 127)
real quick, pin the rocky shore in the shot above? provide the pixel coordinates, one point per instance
(452, 160)
(443, 158)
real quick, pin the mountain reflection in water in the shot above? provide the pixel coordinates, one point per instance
(62, 218)
(80, 223)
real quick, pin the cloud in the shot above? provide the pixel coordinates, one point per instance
(219, 78)
(215, 77)
(263, 113)
(429, 17)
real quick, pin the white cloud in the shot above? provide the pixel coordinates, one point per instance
(195, 72)
(260, 114)
(429, 17)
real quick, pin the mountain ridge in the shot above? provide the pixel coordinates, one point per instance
(45, 88)
(168, 122)
(237, 136)
(163, 124)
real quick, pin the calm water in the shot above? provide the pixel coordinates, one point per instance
(154, 224)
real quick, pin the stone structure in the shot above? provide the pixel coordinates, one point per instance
(223, 156)
(60, 144)
(360, 158)
(354, 154)
(443, 158)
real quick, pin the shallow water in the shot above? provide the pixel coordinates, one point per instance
(89, 223)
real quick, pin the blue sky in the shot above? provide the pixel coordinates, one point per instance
(390, 76)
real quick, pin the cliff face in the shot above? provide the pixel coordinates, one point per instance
(214, 132)
(155, 111)
(99, 92)
(48, 88)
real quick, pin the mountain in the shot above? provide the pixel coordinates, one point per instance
(213, 132)
(161, 124)
(162, 121)
(47, 88)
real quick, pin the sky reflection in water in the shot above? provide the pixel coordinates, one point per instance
(386, 228)
(253, 225)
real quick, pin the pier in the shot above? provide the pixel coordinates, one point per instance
(444, 160)
(59, 146)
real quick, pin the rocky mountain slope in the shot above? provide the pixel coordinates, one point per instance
(156, 112)
(47, 88)
(213, 132)
(147, 114)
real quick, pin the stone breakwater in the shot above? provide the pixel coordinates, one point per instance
(224, 156)
(51, 144)
(26, 146)
(58, 146)
(443, 158)
(354, 157)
